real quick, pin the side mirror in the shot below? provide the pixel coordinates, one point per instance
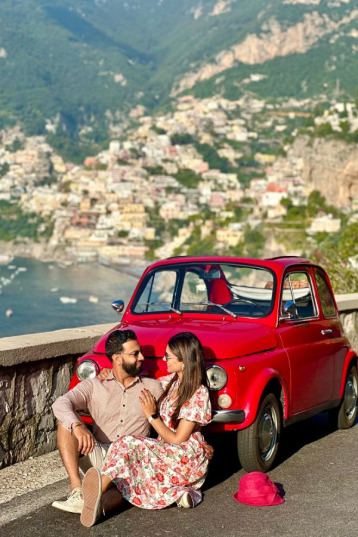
(290, 309)
(118, 306)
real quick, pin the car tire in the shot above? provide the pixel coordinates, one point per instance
(258, 444)
(344, 416)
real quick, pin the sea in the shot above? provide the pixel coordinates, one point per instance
(40, 297)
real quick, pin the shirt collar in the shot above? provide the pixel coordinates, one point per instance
(112, 377)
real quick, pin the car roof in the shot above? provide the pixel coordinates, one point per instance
(274, 263)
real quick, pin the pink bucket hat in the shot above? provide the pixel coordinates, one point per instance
(256, 488)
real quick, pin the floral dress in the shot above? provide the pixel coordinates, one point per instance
(153, 474)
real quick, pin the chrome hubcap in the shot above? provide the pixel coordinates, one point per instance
(267, 433)
(350, 396)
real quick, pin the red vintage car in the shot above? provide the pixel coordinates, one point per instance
(273, 343)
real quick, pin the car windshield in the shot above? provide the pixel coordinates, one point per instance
(226, 288)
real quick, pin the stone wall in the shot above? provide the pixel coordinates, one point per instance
(26, 393)
(35, 369)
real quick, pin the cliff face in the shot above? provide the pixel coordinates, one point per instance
(272, 42)
(330, 166)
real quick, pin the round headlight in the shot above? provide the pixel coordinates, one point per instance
(217, 377)
(87, 370)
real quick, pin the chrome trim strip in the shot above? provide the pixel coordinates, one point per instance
(228, 416)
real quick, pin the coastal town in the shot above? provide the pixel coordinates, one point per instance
(209, 170)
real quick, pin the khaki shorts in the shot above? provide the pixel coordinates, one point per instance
(95, 458)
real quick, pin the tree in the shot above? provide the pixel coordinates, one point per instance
(254, 242)
(345, 126)
(4, 168)
(324, 130)
(188, 178)
(348, 242)
(182, 139)
(318, 202)
(334, 253)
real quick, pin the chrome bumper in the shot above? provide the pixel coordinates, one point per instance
(228, 416)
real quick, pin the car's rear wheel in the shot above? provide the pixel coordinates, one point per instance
(343, 416)
(258, 444)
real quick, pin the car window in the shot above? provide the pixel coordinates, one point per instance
(193, 292)
(157, 294)
(212, 288)
(325, 295)
(297, 288)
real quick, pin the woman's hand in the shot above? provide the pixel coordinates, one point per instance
(104, 373)
(148, 403)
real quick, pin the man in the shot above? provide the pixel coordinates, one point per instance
(115, 409)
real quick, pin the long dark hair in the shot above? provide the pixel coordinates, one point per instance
(187, 348)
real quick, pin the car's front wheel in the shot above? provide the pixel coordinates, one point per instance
(258, 444)
(343, 417)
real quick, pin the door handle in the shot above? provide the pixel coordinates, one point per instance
(327, 331)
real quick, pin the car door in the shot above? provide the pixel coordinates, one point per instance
(303, 335)
(333, 328)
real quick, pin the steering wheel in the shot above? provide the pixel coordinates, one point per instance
(246, 301)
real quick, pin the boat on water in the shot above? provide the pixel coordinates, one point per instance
(5, 258)
(54, 289)
(9, 312)
(68, 300)
(93, 299)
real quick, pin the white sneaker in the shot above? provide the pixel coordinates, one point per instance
(73, 504)
(185, 501)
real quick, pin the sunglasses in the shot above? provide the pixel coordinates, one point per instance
(135, 354)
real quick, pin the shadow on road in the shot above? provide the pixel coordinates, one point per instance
(225, 462)
(303, 433)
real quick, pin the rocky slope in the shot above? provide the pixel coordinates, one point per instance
(330, 166)
(273, 41)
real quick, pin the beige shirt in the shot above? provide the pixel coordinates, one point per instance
(115, 410)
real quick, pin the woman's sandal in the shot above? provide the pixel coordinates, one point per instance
(185, 501)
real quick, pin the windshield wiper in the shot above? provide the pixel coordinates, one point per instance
(163, 304)
(208, 303)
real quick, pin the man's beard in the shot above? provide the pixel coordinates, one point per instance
(132, 369)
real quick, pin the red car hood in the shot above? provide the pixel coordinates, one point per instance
(220, 339)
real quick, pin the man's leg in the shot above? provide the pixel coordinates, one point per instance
(68, 447)
(94, 459)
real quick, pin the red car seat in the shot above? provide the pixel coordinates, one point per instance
(219, 292)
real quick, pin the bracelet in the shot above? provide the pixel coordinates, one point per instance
(77, 425)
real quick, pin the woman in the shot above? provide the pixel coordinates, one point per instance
(155, 473)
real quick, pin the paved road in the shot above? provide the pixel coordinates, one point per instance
(317, 470)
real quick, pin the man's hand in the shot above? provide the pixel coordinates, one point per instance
(84, 437)
(104, 373)
(209, 450)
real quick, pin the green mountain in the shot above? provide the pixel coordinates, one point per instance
(87, 63)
